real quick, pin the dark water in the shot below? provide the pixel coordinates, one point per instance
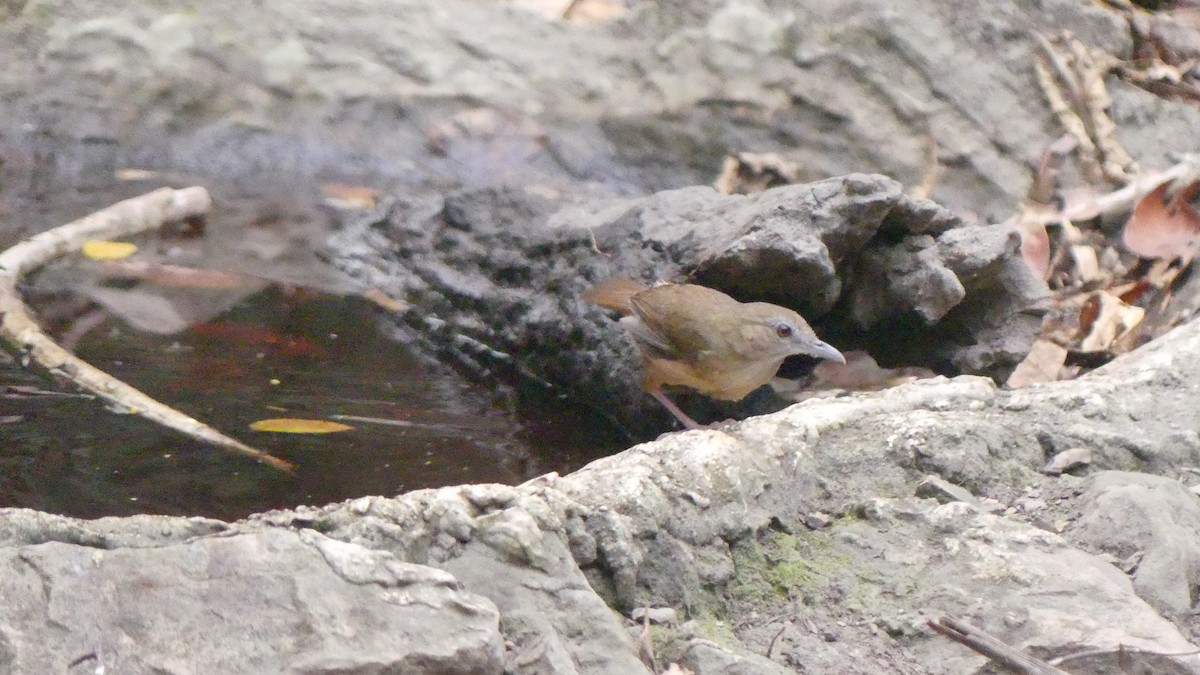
(274, 355)
(307, 347)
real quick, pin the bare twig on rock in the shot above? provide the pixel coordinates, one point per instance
(999, 652)
(18, 329)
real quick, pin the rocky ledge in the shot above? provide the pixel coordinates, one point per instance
(821, 538)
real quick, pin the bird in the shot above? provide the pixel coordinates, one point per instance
(700, 338)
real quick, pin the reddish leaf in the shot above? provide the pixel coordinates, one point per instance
(1161, 229)
(1030, 223)
(287, 345)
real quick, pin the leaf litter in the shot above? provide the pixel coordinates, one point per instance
(1117, 253)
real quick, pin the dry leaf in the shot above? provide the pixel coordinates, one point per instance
(1030, 223)
(346, 197)
(1104, 319)
(290, 425)
(1043, 364)
(1087, 264)
(745, 173)
(99, 249)
(1162, 226)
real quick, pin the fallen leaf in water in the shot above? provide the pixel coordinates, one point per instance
(1043, 364)
(1104, 319)
(282, 343)
(99, 249)
(292, 425)
(1164, 226)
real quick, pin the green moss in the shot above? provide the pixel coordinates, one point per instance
(720, 632)
(783, 566)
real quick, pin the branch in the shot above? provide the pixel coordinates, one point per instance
(1008, 657)
(17, 328)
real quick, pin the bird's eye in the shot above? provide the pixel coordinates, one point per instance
(783, 330)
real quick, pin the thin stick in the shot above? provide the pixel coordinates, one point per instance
(20, 331)
(1004, 655)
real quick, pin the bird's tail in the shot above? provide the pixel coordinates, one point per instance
(614, 294)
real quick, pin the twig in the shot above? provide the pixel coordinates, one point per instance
(20, 331)
(771, 646)
(999, 652)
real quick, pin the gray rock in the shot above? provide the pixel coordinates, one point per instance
(1125, 513)
(312, 605)
(943, 490)
(703, 657)
(1067, 460)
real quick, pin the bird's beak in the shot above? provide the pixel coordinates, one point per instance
(822, 350)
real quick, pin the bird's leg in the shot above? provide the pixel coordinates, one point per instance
(674, 409)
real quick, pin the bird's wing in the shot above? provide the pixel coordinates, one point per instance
(679, 335)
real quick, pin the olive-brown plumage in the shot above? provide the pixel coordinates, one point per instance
(700, 338)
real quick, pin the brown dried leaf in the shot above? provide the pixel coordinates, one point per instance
(1030, 223)
(1087, 264)
(745, 173)
(1043, 364)
(1104, 320)
(1162, 226)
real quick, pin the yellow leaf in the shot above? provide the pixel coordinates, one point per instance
(98, 249)
(289, 425)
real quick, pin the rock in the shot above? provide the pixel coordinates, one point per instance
(703, 657)
(655, 615)
(497, 295)
(1126, 514)
(942, 490)
(152, 609)
(1068, 460)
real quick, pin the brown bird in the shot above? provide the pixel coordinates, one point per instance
(700, 338)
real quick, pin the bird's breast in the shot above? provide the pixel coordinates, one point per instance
(725, 380)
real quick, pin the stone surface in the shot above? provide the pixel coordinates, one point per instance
(1153, 518)
(708, 523)
(458, 103)
(650, 100)
(268, 601)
